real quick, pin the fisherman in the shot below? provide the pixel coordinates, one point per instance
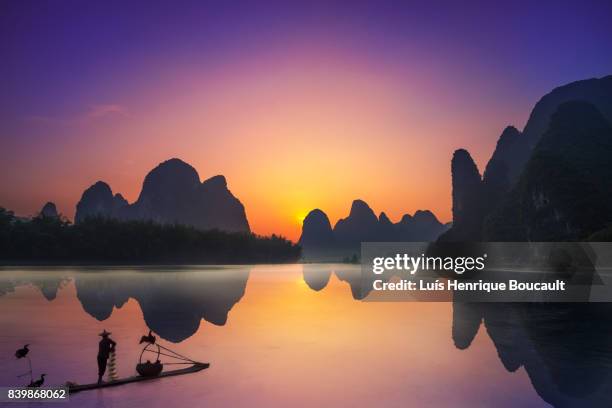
(107, 345)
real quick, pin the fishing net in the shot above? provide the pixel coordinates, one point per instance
(112, 367)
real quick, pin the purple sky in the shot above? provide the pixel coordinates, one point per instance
(426, 77)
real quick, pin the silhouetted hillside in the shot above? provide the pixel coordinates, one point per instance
(49, 210)
(171, 193)
(468, 199)
(564, 193)
(361, 225)
(514, 149)
(316, 230)
(320, 242)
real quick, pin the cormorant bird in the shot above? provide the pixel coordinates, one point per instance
(148, 339)
(39, 382)
(22, 352)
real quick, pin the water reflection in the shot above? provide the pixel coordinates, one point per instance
(47, 285)
(565, 348)
(50, 287)
(316, 276)
(360, 283)
(173, 303)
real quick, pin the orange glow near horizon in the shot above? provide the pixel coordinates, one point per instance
(291, 132)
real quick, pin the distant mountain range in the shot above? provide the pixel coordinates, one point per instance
(362, 225)
(549, 182)
(171, 193)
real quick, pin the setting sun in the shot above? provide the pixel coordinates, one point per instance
(299, 217)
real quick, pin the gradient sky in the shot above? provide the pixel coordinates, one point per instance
(299, 105)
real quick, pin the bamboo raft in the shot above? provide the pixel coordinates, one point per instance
(196, 367)
(144, 369)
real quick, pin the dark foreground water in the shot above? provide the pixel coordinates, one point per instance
(299, 336)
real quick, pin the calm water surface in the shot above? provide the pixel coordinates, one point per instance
(299, 336)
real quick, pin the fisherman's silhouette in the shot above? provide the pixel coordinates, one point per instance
(107, 345)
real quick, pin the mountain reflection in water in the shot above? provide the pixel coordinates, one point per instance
(297, 329)
(173, 304)
(565, 348)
